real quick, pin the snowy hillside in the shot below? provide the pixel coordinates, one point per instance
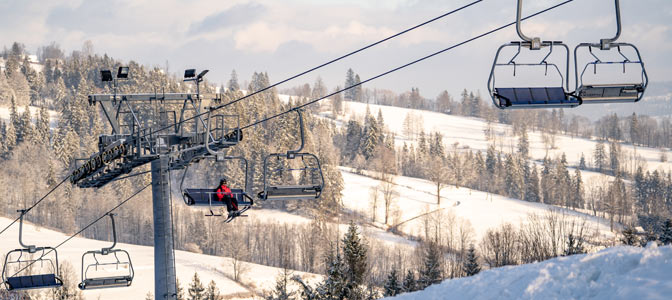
(469, 132)
(614, 273)
(480, 210)
(255, 280)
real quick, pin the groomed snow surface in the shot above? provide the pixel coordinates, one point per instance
(614, 273)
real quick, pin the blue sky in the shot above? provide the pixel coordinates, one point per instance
(286, 37)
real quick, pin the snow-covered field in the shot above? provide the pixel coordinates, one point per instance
(614, 273)
(480, 210)
(256, 279)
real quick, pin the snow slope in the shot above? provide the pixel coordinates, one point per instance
(255, 280)
(480, 209)
(614, 273)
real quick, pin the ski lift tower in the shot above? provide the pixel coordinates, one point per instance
(166, 130)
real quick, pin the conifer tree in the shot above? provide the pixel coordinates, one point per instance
(577, 190)
(430, 272)
(180, 290)
(334, 285)
(10, 137)
(392, 285)
(666, 234)
(524, 144)
(149, 296)
(600, 157)
(349, 81)
(233, 82)
(42, 130)
(532, 186)
(281, 291)
(26, 126)
(582, 162)
(354, 256)
(409, 284)
(630, 236)
(574, 245)
(470, 265)
(196, 289)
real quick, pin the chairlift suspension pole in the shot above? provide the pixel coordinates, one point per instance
(164, 256)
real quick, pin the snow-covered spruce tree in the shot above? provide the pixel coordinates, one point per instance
(196, 289)
(430, 272)
(212, 292)
(532, 186)
(281, 291)
(179, 290)
(392, 285)
(630, 237)
(470, 265)
(149, 296)
(666, 235)
(355, 260)
(335, 284)
(409, 284)
(574, 245)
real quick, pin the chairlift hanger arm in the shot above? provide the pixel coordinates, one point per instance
(535, 42)
(605, 44)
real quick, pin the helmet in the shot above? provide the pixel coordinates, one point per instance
(222, 181)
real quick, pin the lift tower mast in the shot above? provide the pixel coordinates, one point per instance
(136, 139)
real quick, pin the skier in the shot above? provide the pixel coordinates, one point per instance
(223, 193)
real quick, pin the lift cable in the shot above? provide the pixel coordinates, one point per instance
(36, 203)
(85, 228)
(402, 67)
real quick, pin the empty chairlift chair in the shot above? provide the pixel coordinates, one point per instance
(606, 89)
(108, 267)
(276, 173)
(525, 95)
(206, 196)
(22, 261)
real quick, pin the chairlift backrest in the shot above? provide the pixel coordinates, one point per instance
(293, 191)
(607, 91)
(32, 281)
(107, 281)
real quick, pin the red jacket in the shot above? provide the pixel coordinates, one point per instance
(222, 191)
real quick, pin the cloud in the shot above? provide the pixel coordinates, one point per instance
(239, 14)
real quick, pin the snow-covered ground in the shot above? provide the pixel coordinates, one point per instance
(614, 273)
(256, 279)
(480, 210)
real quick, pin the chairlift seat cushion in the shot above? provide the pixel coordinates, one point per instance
(201, 197)
(115, 281)
(33, 282)
(534, 97)
(605, 93)
(293, 192)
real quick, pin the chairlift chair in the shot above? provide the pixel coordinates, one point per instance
(297, 191)
(111, 281)
(206, 197)
(605, 91)
(34, 281)
(527, 96)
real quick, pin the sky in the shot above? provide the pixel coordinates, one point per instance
(285, 37)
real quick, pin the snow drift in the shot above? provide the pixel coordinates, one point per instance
(613, 273)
